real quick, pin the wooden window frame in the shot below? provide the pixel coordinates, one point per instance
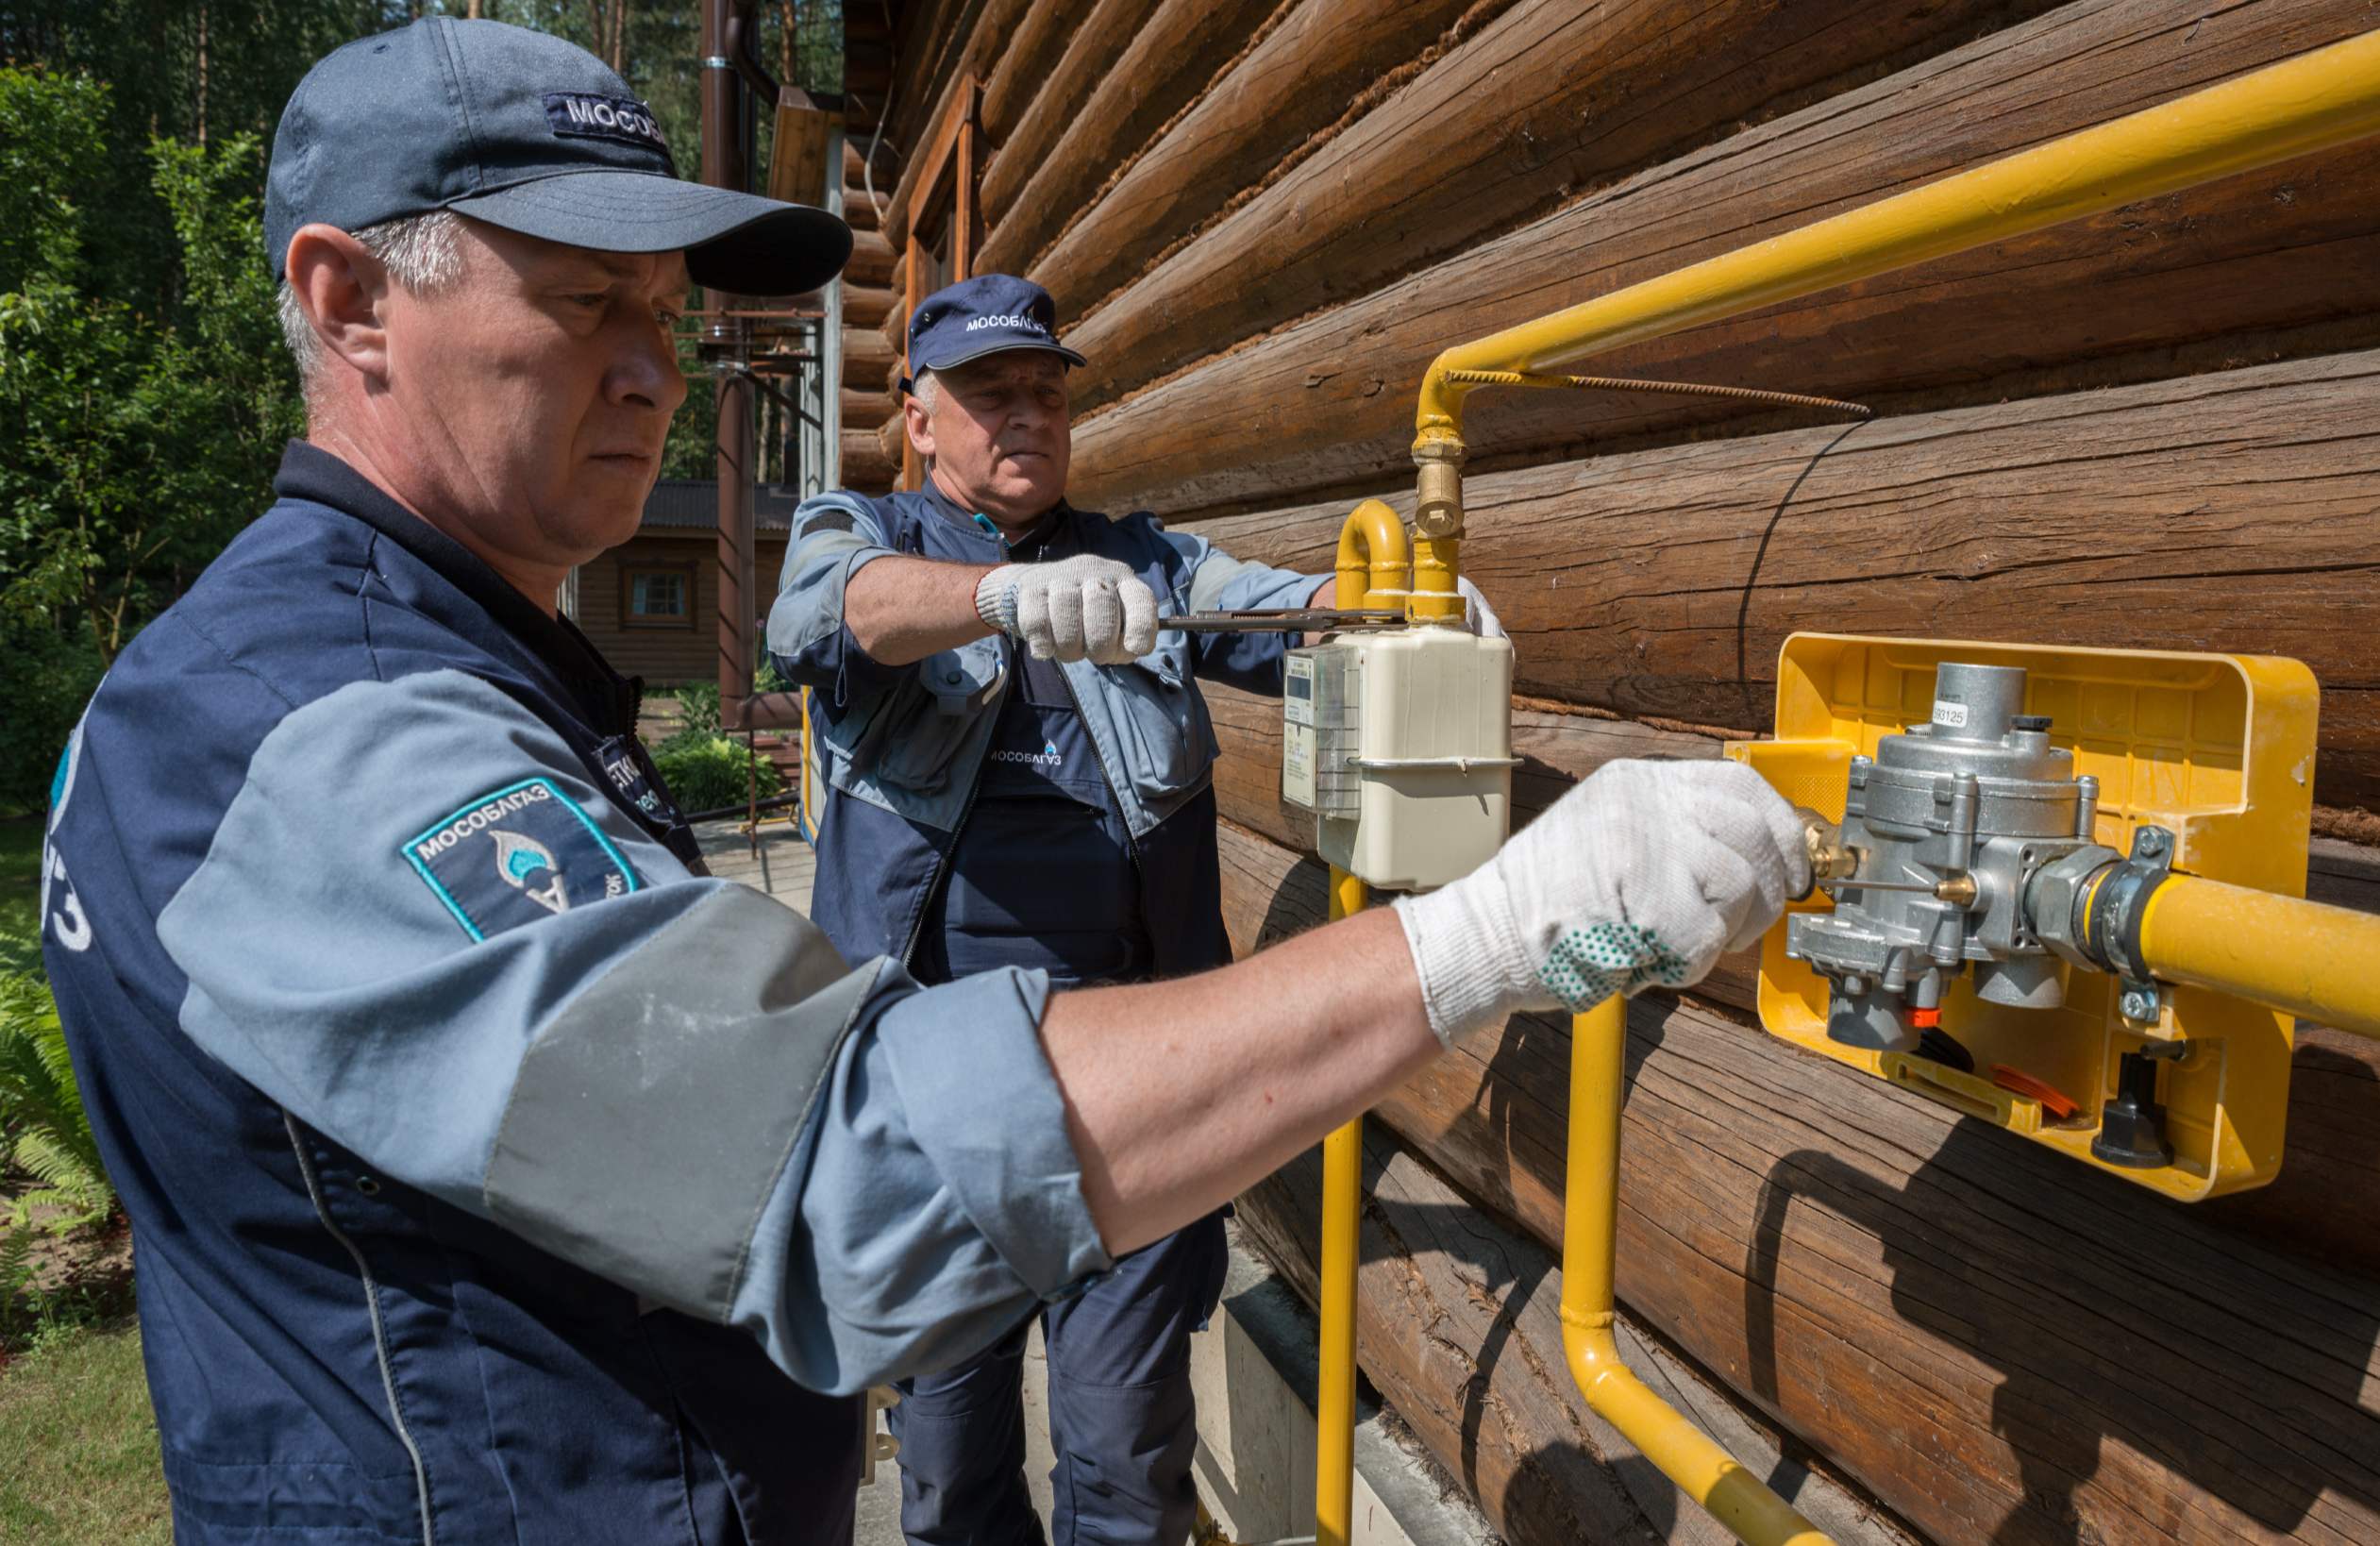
(951, 171)
(630, 568)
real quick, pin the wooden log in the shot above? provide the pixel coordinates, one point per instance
(1040, 44)
(865, 308)
(1552, 100)
(866, 467)
(1090, 52)
(892, 436)
(858, 213)
(868, 360)
(986, 36)
(1293, 84)
(2228, 512)
(871, 264)
(927, 39)
(1174, 58)
(1458, 1323)
(2000, 1343)
(1329, 402)
(863, 409)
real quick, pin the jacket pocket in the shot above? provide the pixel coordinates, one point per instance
(916, 741)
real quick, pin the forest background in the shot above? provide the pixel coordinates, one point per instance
(145, 393)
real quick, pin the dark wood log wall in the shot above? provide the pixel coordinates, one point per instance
(1999, 1345)
(1261, 219)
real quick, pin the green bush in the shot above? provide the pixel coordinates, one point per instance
(707, 770)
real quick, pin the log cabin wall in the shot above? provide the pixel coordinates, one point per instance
(1261, 218)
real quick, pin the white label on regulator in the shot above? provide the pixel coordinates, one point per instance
(1947, 713)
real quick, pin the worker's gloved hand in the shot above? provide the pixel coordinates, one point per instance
(1477, 614)
(1641, 876)
(1077, 608)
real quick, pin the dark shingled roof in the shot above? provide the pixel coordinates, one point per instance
(692, 503)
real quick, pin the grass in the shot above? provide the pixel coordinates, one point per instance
(78, 1458)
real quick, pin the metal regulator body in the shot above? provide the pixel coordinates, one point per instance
(1942, 831)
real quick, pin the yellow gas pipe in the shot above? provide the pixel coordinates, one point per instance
(2324, 98)
(2296, 956)
(1371, 571)
(1590, 1206)
(2320, 99)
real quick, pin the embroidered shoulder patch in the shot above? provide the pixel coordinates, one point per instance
(522, 853)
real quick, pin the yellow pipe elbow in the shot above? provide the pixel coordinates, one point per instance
(1372, 557)
(1590, 1220)
(2297, 956)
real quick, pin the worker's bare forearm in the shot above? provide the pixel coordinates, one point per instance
(1180, 1095)
(901, 610)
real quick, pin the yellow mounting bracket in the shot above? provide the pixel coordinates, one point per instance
(2219, 750)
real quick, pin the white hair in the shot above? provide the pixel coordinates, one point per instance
(927, 391)
(420, 253)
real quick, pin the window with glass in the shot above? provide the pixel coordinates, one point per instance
(658, 596)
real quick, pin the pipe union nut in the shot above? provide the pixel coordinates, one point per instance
(2053, 898)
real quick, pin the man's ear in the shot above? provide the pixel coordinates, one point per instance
(920, 428)
(343, 291)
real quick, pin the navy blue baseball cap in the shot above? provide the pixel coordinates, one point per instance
(529, 132)
(980, 316)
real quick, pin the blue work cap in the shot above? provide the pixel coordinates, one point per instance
(525, 131)
(980, 316)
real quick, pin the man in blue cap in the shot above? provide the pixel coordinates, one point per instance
(495, 1174)
(1018, 769)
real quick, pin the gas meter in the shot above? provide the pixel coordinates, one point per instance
(1398, 739)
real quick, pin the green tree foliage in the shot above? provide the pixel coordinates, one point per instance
(135, 441)
(132, 444)
(144, 394)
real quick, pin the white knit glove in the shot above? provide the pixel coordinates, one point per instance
(1641, 876)
(1078, 607)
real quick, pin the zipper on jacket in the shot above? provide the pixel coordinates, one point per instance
(942, 864)
(380, 1330)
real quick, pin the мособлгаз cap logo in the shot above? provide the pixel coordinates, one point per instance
(582, 116)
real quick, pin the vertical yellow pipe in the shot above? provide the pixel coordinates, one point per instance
(1342, 1207)
(1590, 1226)
(1372, 558)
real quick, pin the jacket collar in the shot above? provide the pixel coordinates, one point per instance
(1032, 547)
(610, 701)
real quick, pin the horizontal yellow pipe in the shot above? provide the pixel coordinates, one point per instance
(2324, 98)
(2301, 957)
(1590, 1221)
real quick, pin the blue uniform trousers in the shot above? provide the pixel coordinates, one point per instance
(1120, 1414)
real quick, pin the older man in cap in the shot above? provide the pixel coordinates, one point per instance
(494, 1174)
(1020, 773)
